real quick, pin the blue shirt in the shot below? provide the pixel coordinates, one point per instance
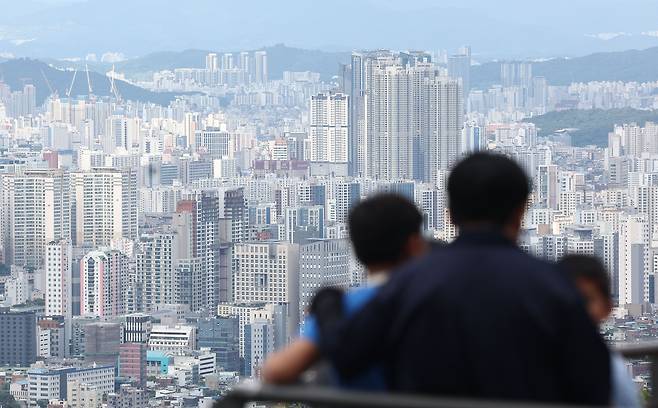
(371, 379)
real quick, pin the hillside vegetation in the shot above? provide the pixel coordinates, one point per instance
(591, 126)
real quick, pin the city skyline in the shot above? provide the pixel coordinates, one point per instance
(176, 185)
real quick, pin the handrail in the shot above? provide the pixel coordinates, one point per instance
(242, 394)
(648, 350)
(637, 350)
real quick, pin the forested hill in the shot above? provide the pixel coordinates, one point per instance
(590, 127)
(18, 72)
(632, 65)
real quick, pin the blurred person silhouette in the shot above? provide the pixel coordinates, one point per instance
(479, 318)
(591, 279)
(385, 231)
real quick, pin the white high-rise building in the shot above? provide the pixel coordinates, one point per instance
(217, 218)
(390, 123)
(6, 180)
(246, 313)
(39, 213)
(546, 186)
(166, 271)
(473, 138)
(245, 61)
(322, 263)
(259, 342)
(190, 122)
(227, 61)
(120, 132)
(215, 142)
(156, 265)
(59, 277)
(441, 133)
(267, 273)
(329, 131)
(634, 265)
(413, 120)
(104, 277)
(260, 67)
(105, 206)
(211, 62)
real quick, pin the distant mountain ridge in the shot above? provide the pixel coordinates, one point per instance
(18, 72)
(280, 58)
(631, 65)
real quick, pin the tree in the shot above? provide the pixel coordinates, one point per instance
(7, 400)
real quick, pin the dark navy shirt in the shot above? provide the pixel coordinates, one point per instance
(478, 318)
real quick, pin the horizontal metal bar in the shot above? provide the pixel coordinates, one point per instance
(332, 397)
(637, 350)
(243, 393)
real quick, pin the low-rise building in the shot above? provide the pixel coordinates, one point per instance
(127, 397)
(51, 383)
(82, 395)
(177, 340)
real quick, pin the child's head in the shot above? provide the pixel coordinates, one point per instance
(591, 279)
(386, 231)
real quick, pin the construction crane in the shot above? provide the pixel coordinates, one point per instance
(91, 91)
(53, 92)
(113, 87)
(68, 93)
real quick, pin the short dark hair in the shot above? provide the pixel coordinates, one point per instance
(486, 187)
(380, 227)
(590, 268)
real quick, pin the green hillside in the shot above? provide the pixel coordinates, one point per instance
(591, 126)
(18, 72)
(632, 65)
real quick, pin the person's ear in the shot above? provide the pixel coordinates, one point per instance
(520, 212)
(416, 245)
(513, 226)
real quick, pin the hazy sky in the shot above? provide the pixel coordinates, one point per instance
(69, 28)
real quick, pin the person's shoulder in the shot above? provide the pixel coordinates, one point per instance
(511, 264)
(357, 297)
(309, 329)
(404, 274)
(548, 277)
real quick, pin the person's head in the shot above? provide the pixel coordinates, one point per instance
(591, 279)
(488, 190)
(385, 230)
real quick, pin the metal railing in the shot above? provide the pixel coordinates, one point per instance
(246, 393)
(326, 397)
(649, 351)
